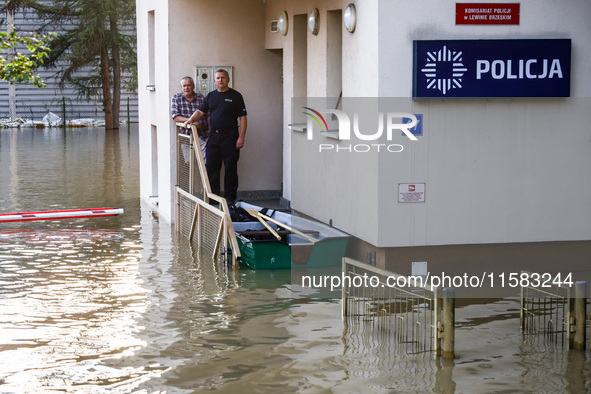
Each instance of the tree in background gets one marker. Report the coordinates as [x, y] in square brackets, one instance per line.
[18, 67]
[95, 35]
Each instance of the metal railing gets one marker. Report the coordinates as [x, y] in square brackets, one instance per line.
[554, 310]
[403, 307]
[208, 226]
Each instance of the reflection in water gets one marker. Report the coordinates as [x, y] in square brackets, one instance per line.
[372, 353]
[70, 298]
[122, 304]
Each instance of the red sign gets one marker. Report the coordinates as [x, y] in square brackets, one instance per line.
[487, 14]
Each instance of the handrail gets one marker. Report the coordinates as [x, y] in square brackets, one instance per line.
[236, 256]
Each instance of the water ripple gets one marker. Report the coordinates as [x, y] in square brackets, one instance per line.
[74, 306]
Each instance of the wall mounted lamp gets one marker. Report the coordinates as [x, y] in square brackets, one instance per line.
[313, 21]
[350, 18]
[282, 23]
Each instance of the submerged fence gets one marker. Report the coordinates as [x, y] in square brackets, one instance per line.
[62, 111]
[416, 315]
[558, 312]
[420, 318]
[207, 226]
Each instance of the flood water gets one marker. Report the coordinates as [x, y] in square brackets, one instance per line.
[125, 305]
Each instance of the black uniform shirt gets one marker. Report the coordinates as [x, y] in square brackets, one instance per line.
[224, 108]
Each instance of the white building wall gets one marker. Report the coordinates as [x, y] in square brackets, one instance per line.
[359, 79]
[156, 141]
[496, 170]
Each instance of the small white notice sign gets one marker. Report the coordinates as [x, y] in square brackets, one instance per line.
[411, 192]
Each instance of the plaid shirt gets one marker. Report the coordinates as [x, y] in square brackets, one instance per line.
[181, 106]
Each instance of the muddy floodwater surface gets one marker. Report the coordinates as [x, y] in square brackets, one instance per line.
[124, 304]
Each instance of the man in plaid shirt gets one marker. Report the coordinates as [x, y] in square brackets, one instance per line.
[182, 107]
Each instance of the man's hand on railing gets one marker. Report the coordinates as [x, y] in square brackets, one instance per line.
[187, 125]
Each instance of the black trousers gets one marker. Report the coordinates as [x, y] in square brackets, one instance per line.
[221, 148]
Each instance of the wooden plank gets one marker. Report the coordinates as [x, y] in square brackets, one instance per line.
[231, 234]
[285, 226]
[256, 214]
[218, 239]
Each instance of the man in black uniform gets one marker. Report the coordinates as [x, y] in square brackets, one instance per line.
[225, 106]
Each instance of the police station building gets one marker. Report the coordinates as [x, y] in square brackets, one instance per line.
[453, 133]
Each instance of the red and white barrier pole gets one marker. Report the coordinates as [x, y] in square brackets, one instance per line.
[63, 214]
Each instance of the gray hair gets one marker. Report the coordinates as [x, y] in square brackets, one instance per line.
[189, 78]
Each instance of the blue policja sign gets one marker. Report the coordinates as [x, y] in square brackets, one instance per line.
[492, 68]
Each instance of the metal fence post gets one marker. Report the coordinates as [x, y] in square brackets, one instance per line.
[344, 290]
[449, 303]
[580, 315]
[437, 308]
[177, 211]
[521, 308]
[64, 112]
